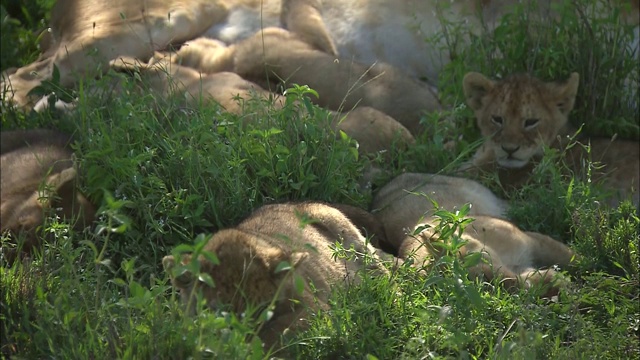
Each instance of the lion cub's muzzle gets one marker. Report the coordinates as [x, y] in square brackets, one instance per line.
[513, 156]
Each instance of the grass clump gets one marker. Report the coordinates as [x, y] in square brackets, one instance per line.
[22, 25]
[182, 170]
[165, 172]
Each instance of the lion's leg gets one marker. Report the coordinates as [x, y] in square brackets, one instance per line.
[417, 251]
[205, 55]
[493, 269]
[490, 267]
[303, 18]
[546, 278]
[547, 251]
[518, 257]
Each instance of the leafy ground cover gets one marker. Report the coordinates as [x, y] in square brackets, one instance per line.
[165, 173]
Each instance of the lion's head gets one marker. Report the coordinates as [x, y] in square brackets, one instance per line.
[243, 269]
[520, 114]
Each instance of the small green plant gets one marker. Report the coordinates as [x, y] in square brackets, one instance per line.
[164, 170]
[21, 25]
[609, 238]
[202, 170]
[52, 90]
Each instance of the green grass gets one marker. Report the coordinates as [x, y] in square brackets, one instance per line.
[164, 173]
[21, 25]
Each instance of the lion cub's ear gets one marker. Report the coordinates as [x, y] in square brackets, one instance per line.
[297, 258]
[476, 86]
[182, 280]
[564, 94]
[61, 185]
[274, 259]
[168, 263]
[128, 65]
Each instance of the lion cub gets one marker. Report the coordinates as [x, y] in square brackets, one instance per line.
[249, 254]
[508, 253]
[519, 115]
[38, 174]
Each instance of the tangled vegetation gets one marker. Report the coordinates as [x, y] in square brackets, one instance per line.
[164, 173]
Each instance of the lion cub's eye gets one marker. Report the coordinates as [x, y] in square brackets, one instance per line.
[530, 123]
[497, 120]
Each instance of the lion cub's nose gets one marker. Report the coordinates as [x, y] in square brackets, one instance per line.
[510, 149]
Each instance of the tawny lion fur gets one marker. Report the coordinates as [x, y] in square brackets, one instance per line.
[86, 35]
[302, 235]
[513, 256]
[38, 175]
[374, 131]
[520, 115]
[274, 55]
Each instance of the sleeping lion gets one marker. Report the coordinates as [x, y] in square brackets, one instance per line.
[303, 235]
[518, 259]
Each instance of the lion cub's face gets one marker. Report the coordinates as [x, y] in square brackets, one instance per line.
[245, 274]
[519, 115]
